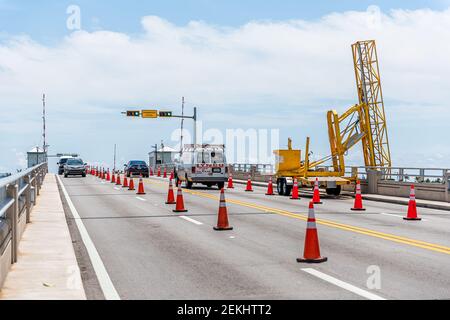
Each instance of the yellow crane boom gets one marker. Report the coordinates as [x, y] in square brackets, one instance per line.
[365, 122]
[367, 73]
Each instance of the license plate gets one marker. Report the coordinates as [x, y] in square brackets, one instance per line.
[216, 170]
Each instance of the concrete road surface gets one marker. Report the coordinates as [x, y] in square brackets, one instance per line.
[149, 252]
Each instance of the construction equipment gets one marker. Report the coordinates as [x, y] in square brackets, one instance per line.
[364, 122]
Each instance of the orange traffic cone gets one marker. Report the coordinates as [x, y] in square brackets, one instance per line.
[230, 182]
[159, 171]
[172, 175]
[249, 186]
[131, 186]
[141, 186]
[311, 252]
[125, 182]
[170, 195]
[358, 206]
[412, 206]
[118, 183]
[113, 178]
[316, 195]
[270, 188]
[151, 172]
[165, 173]
[222, 218]
[295, 191]
[108, 177]
[180, 201]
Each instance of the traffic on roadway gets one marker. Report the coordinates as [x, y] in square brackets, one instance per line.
[153, 250]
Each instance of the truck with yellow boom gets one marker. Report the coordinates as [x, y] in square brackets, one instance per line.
[364, 122]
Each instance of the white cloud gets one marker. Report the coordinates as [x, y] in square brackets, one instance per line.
[258, 67]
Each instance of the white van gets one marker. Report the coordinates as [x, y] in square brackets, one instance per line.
[204, 164]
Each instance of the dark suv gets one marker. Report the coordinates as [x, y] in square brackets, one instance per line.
[61, 163]
[136, 168]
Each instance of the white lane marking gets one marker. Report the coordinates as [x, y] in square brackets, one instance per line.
[396, 215]
[142, 199]
[232, 237]
[191, 220]
[343, 285]
[117, 188]
[109, 291]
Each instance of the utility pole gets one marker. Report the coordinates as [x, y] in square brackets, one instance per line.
[182, 125]
[115, 147]
[44, 147]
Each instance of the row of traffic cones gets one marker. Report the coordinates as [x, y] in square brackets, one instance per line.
[127, 183]
[222, 217]
[358, 205]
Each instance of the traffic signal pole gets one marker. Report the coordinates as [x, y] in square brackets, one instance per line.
[194, 117]
[163, 114]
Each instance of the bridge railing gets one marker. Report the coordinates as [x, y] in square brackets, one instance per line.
[396, 174]
[18, 195]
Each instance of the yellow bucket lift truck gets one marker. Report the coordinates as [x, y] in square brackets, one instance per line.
[365, 122]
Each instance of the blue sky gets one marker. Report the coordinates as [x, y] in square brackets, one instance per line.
[244, 64]
[43, 19]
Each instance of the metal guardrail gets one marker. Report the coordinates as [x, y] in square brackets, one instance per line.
[404, 174]
[18, 195]
[257, 168]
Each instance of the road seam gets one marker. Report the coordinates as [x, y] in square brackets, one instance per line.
[104, 280]
[342, 284]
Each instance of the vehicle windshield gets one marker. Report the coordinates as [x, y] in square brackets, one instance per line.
[64, 160]
[75, 162]
[138, 163]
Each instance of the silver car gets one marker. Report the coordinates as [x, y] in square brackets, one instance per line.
[74, 167]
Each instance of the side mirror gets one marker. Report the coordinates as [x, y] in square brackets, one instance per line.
[85, 164]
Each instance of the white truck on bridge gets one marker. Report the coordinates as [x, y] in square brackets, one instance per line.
[201, 163]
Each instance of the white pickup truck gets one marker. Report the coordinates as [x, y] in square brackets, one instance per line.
[204, 164]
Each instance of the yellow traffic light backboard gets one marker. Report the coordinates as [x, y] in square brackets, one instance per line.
[149, 113]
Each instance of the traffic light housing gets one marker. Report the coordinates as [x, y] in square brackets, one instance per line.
[133, 113]
[165, 114]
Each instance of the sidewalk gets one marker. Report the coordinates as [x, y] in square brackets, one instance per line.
[47, 267]
[380, 198]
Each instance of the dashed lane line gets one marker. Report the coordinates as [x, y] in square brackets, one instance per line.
[191, 220]
[343, 285]
[396, 215]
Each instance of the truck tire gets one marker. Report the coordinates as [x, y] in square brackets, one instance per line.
[189, 184]
[283, 188]
[281, 184]
[221, 185]
[334, 191]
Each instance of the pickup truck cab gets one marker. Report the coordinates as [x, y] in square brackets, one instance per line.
[202, 164]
